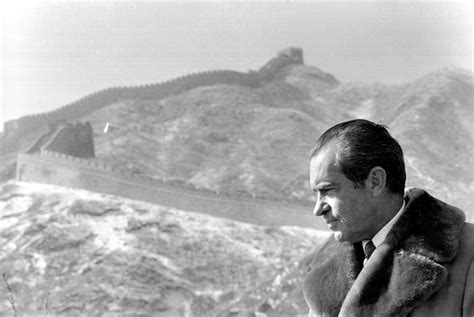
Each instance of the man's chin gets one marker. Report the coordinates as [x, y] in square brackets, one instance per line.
[339, 236]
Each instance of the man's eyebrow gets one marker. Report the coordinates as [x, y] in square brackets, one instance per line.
[325, 185]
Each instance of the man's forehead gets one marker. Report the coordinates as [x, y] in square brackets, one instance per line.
[323, 165]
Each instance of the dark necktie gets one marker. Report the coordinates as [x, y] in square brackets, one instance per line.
[368, 249]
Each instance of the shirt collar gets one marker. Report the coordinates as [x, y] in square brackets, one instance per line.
[382, 234]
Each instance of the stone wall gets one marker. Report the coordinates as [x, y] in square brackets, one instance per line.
[294, 53]
[178, 85]
[284, 58]
[108, 96]
[95, 175]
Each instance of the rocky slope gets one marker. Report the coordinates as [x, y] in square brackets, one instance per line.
[73, 252]
[256, 140]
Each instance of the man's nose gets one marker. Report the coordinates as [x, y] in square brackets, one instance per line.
[320, 207]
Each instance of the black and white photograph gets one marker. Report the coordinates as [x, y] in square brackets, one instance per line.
[236, 158]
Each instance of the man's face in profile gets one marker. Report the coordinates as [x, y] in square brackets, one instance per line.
[344, 205]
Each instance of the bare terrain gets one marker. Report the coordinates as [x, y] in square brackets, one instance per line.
[74, 252]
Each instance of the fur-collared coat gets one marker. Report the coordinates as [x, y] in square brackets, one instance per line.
[423, 268]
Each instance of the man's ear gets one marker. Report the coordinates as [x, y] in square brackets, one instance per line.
[376, 181]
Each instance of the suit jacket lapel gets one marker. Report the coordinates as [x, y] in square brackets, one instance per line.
[393, 284]
[333, 272]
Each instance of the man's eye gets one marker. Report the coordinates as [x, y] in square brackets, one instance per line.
[325, 190]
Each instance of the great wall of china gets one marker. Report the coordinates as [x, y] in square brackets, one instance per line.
[94, 175]
[40, 161]
[108, 96]
[103, 98]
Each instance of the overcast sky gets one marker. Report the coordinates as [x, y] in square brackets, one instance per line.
[54, 53]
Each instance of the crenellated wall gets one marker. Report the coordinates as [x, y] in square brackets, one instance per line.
[74, 161]
[108, 96]
[178, 85]
[284, 58]
[95, 175]
[294, 53]
[55, 158]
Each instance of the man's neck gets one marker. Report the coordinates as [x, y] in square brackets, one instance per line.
[388, 210]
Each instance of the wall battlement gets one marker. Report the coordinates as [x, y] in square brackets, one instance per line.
[102, 98]
[52, 157]
[105, 97]
[94, 164]
[117, 171]
[95, 175]
[289, 56]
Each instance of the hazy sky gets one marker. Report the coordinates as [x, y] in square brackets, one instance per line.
[56, 52]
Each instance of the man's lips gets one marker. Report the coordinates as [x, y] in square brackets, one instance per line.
[331, 223]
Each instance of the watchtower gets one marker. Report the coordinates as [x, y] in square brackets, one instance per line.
[293, 53]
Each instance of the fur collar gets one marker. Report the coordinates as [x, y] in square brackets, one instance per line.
[403, 271]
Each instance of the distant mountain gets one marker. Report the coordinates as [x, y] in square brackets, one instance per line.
[75, 253]
[256, 140]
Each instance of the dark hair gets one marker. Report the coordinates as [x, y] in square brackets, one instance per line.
[362, 145]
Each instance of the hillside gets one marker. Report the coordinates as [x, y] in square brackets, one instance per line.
[256, 141]
[74, 252]
[250, 134]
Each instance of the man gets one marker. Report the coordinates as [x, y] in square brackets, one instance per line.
[393, 252]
